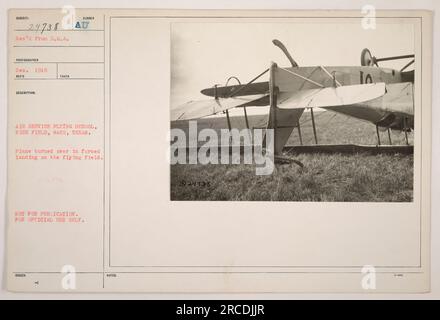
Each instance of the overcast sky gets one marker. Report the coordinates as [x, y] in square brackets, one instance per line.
[204, 54]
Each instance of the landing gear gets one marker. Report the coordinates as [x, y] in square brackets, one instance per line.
[244, 108]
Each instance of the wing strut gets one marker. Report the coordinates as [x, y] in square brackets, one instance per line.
[405, 129]
[244, 108]
[227, 111]
[407, 65]
[314, 126]
[377, 133]
[389, 136]
[229, 120]
[273, 102]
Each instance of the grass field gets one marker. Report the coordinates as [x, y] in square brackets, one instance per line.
[324, 177]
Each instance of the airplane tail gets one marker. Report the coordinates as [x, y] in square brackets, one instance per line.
[282, 121]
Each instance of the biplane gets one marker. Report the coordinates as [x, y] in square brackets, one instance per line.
[382, 96]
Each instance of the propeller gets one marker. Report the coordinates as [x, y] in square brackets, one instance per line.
[283, 48]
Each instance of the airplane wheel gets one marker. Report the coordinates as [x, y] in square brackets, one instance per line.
[366, 58]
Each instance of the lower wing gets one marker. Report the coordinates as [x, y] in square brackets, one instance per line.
[203, 108]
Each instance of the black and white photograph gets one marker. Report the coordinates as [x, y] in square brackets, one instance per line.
[298, 110]
[221, 152]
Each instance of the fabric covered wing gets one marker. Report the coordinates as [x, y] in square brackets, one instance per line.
[241, 89]
[203, 108]
[331, 96]
[290, 105]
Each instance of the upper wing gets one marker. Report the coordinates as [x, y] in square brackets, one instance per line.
[331, 96]
[203, 108]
